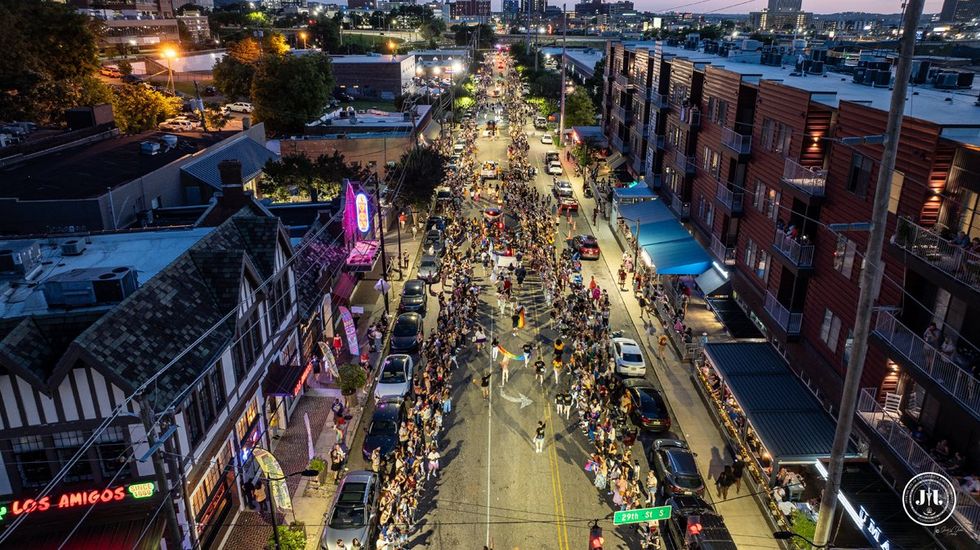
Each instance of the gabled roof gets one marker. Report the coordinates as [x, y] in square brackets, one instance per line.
[182, 303]
[252, 154]
[33, 344]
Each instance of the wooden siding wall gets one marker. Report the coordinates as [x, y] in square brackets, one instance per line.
[84, 395]
[723, 85]
[682, 73]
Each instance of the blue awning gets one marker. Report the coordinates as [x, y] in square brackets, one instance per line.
[660, 232]
[789, 420]
[680, 257]
[638, 192]
[645, 212]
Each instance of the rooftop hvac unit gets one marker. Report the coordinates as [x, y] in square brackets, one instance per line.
[73, 247]
[113, 286]
[870, 77]
[946, 81]
[859, 73]
[964, 80]
[816, 67]
[920, 71]
[818, 54]
[87, 287]
[20, 260]
[883, 79]
[169, 140]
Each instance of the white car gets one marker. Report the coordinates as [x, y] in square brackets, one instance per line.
[395, 377]
[554, 168]
[489, 171]
[239, 107]
[177, 125]
[628, 357]
[459, 148]
[547, 139]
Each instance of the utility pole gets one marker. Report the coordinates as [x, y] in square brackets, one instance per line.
[564, 38]
[200, 107]
[870, 275]
[527, 43]
[146, 416]
[381, 239]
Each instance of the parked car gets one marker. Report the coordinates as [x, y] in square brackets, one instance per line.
[382, 432]
[444, 194]
[177, 125]
[434, 242]
[675, 468]
[586, 245]
[694, 525]
[239, 107]
[547, 139]
[407, 333]
[353, 510]
[551, 156]
[413, 297]
[131, 79]
[436, 222]
[562, 188]
[209, 91]
[111, 72]
[628, 356]
[648, 410]
[429, 267]
[395, 378]
[540, 123]
[554, 168]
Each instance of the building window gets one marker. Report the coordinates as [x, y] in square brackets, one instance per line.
[771, 207]
[860, 174]
[830, 330]
[844, 256]
[717, 110]
[895, 194]
[66, 444]
[701, 206]
[711, 162]
[749, 252]
[709, 217]
[192, 418]
[762, 265]
[111, 448]
[32, 461]
[776, 136]
[848, 346]
[217, 383]
[759, 196]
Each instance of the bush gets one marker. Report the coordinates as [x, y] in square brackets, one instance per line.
[320, 465]
[291, 537]
[352, 378]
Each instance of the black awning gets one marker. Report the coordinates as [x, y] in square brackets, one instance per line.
[734, 318]
[286, 381]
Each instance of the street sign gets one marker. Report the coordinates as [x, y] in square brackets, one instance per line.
[641, 515]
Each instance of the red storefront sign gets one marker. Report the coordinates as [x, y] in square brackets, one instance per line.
[75, 499]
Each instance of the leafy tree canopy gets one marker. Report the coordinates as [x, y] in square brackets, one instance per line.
[246, 50]
[288, 92]
[233, 78]
[325, 32]
[138, 108]
[423, 170]
[579, 110]
[317, 179]
[275, 44]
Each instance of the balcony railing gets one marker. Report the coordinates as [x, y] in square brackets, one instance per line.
[941, 368]
[681, 208]
[732, 200]
[620, 145]
[801, 254]
[724, 253]
[690, 116]
[660, 142]
[811, 181]
[684, 163]
[740, 143]
[623, 113]
[622, 80]
[936, 251]
[900, 441]
[788, 320]
[658, 100]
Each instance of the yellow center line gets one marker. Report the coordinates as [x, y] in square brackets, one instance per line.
[559, 496]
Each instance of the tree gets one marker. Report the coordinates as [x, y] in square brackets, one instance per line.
[49, 61]
[138, 108]
[247, 50]
[423, 169]
[378, 19]
[288, 92]
[318, 179]
[291, 537]
[352, 378]
[275, 44]
[546, 84]
[579, 110]
[216, 119]
[594, 84]
[464, 35]
[233, 78]
[125, 67]
[325, 32]
[432, 28]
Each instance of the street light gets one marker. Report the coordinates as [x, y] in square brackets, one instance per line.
[786, 535]
[272, 500]
[302, 36]
[170, 53]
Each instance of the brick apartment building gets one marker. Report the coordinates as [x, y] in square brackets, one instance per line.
[744, 151]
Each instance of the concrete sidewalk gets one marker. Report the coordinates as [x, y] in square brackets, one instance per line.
[743, 516]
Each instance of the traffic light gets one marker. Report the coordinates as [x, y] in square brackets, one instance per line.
[595, 537]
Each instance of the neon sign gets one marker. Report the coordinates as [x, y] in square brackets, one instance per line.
[77, 498]
[363, 216]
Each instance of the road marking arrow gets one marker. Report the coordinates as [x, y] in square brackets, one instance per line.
[521, 398]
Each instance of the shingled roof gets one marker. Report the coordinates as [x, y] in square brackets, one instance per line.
[173, 309]
[33, 345]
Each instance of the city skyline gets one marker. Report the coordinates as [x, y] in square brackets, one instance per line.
[735, 7]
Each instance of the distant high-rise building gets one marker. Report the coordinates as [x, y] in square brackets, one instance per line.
[512, 6]
[955, 11]
[785, 5]
[589, 8]
[537, 6]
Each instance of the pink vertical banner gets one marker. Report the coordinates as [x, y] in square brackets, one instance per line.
[309, 435]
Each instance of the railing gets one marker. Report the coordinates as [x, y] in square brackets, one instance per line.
[740, 143]
[690, 117]
[723, 252]
[900, 441]
[798, 253]
[733, 200]
[942, 369]
[620, 145]
[658, 100]
[811, 181]
[684, 163]
[622, 80]
[938, 252]
[660, 142]
[790, 321]
[682, 209]
[623, 113]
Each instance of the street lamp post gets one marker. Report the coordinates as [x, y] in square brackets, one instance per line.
[272, 501]
[302, 36]
[170, 54]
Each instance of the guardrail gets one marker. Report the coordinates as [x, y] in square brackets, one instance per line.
[788, 320]
[938, 252]
[721, 251]
[800, 254]
[811, 181]
[733, 200]
[740, 143]
[684, 163]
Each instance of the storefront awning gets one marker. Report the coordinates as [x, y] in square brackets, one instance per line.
[680, 257]
[363, 255]
[660, 232]
[286, 380]
[645, 212]
[641, 191]
[615, 160]
[713, 282]
[788, 419]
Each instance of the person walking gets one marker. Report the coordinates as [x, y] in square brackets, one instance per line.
[485, 384]
[724, 482]
[494, 349]
[559, 403]
[738, 469]
[248, 489]
[433, 458]
[662, 344]
[556, 365]
[642, 300]
[539, 437]
[260, 495]
[376, 460]
[539, 371]
[504, 372]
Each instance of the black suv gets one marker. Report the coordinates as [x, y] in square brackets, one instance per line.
[694, 525]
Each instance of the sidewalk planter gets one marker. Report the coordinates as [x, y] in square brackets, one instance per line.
[321, 466]
[352, 378]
